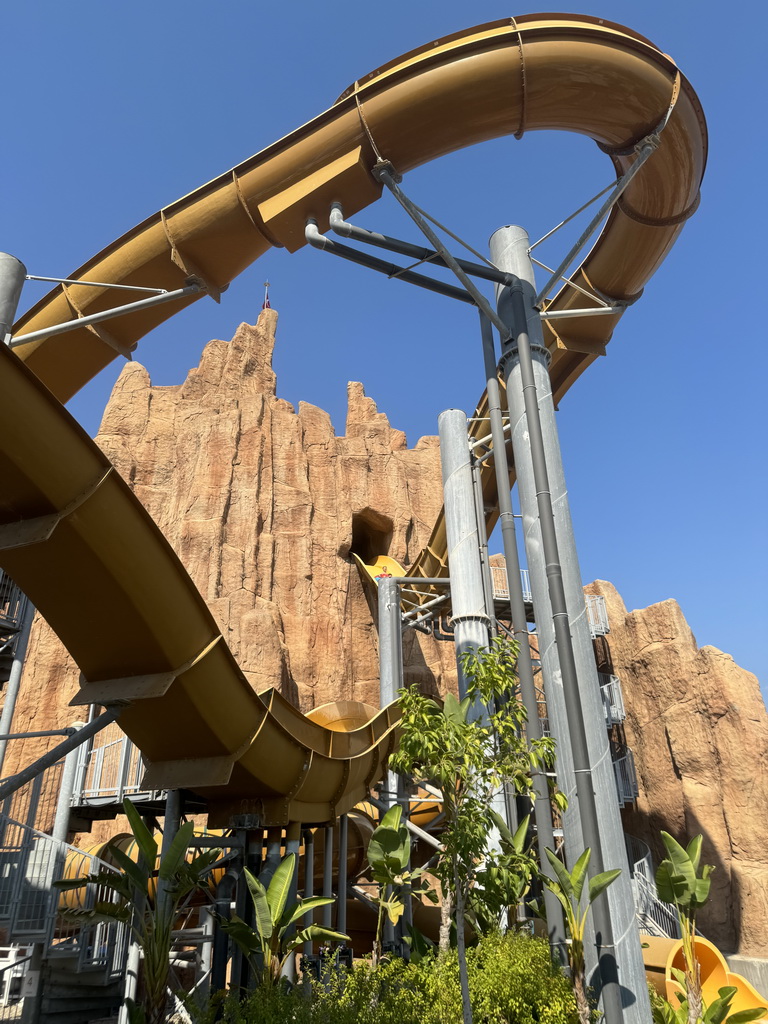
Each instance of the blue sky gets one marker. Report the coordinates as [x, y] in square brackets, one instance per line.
[114, 110]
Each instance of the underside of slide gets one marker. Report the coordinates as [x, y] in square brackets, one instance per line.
[76, 540]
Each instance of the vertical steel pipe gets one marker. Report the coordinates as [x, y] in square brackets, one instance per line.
[541, 805]
[328, 876]
[470, 616]
[309, 882]
[562, 620]
[390, 663]
[66, 788]
[341, 889]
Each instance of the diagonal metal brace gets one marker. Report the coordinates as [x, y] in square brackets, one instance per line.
[383, 172]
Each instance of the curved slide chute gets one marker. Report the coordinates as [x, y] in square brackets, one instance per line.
[662, 956]
[73, 535]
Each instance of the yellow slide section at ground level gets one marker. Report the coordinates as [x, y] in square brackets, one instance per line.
[74, 537]
[661, 956]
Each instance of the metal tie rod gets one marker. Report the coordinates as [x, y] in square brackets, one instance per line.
[644, 149]
[194, 288]
[392, 270]
[383, 172]
[416, 252]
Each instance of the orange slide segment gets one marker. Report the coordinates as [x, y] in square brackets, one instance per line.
[661, 956]
[75, 538]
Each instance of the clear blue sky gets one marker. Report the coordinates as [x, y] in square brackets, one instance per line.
[113, 110]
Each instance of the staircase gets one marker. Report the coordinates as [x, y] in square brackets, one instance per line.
[80, 968]
[654, 916]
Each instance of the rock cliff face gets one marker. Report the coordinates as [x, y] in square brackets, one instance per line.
[264, 505]
[698, 728]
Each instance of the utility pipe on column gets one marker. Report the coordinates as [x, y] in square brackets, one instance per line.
[469, 614]
[542, 806]
[66, 788]
[537, 455]
[390, 664]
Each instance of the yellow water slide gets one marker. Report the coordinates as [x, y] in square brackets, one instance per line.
[77, 541]
[662, 956]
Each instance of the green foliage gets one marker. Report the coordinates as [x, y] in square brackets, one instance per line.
[678, 881]
[274, 939]
[152, 924]
[470, 757]
[511, 979]
[568, 887]
[677, 878]
[504, 881]
[388, 853]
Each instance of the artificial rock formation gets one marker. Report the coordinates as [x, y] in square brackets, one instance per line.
[698, 728]
[264, 504]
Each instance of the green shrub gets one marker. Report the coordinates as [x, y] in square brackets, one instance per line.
[511, 981]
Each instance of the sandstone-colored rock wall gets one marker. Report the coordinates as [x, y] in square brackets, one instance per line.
[260, 503]
[698, 728]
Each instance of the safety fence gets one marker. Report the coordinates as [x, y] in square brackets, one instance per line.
[33, 911]
[613, 699]
[109, 768]
[626, 778]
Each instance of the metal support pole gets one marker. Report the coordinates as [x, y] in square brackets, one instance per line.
[12, 276]
[390, 662]
[208, 925]
[292, 846]
[328, 875]
[341, 892]
[482, 533]
[309, 883]
[171, 825]
[541, 807]
[132, 967]
[470, 615]
[54, 755]
[17, 667]
[556, 583]
[66, 788]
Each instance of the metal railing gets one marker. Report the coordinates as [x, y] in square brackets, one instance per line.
[110, 771]
[34, 804]
[597, 615]
[613, 699]
[13, 604]
[654, 916]
[626, 778]
[500, 588]
[31, 910]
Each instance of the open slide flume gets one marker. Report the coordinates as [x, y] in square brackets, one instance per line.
[78, 542]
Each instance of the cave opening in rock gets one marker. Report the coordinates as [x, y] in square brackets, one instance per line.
[371, 535]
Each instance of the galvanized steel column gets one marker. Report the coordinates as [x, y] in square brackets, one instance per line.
[576, 710]
[13, 273]
[542, 808]
[469, 613]
[390, 663]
